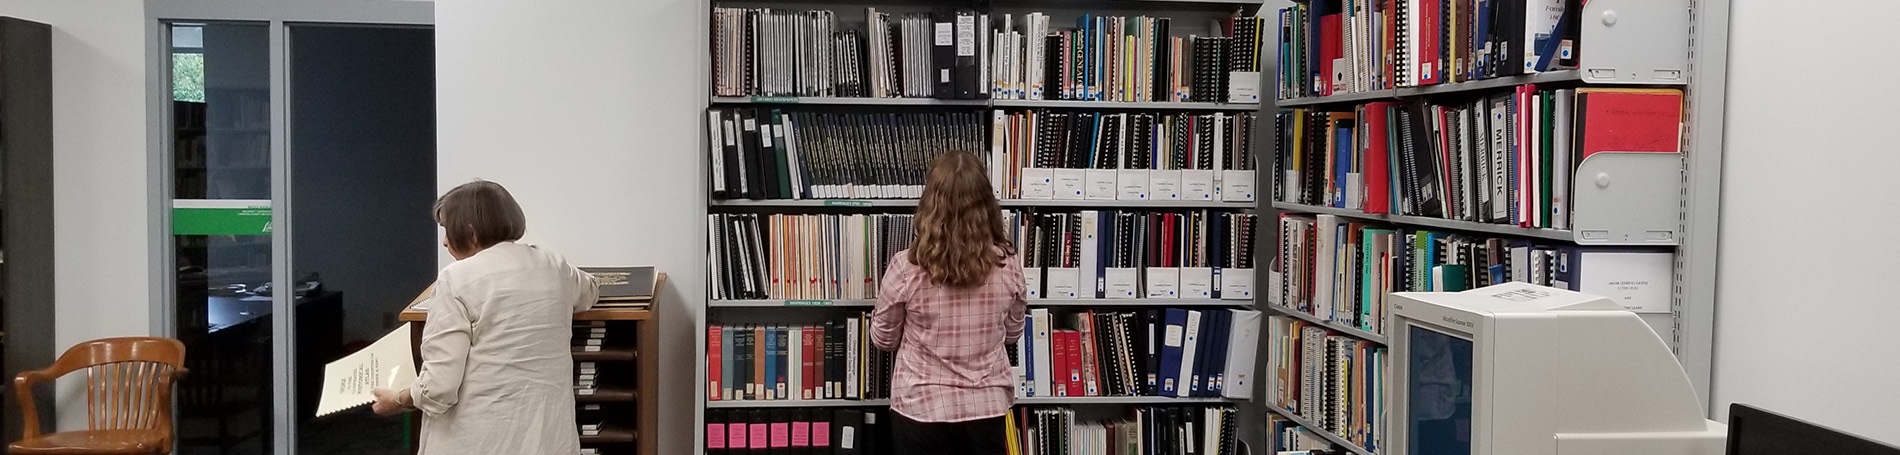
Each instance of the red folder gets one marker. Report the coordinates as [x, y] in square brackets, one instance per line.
[1629, 120]
[1378, 178]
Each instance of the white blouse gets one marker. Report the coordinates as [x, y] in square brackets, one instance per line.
[497, 373]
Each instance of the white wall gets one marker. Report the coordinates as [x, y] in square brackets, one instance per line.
[1806, 304]
[101, 252]
[591, 119]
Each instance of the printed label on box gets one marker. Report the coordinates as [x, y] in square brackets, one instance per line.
[1197, 185]
[1237, 284]
[1102, 185]
[1164, 185]
[1237, 186]
[1064, 283]
[1197, 282]
[1038, 183]
[1071, 184]
[1164, 283]
[1123, 283]
[1134, 184]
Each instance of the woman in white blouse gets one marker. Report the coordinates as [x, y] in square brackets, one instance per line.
[497, 374]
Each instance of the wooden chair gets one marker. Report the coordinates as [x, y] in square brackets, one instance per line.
[128, 398]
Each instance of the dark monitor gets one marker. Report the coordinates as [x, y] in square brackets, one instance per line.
[1754, 431]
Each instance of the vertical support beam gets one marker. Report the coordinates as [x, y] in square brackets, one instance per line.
[1696, 258]
[283, 297]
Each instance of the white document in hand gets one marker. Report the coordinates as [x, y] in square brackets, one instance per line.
[388, 364]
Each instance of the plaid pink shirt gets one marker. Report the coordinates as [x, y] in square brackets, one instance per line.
[951, 362]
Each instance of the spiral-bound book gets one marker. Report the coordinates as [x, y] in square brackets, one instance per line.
[389, 363]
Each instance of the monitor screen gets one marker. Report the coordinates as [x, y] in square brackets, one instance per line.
[1753, 431]
[1439, 386]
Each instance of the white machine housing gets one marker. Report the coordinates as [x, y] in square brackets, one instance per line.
[1556, 372]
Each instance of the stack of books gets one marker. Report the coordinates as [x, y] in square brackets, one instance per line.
[1332, 380]
[593, 418]
[834, 360]
[1149, 430]
[625, 287]
[1162, 352]
[590, 336]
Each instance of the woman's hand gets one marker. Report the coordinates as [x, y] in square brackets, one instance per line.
[387, 403]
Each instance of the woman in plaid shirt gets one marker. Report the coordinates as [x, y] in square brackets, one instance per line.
[948, 306]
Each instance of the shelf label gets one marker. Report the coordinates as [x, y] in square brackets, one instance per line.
[847, 203]
[221, 217]
[775, 99]
[807, 303]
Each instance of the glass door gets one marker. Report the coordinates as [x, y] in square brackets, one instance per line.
[221, 133]
[362, 148]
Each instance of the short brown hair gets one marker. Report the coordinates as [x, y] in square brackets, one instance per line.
[478, 215]
[960, 236]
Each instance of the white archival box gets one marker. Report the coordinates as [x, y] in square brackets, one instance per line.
[1554, 372]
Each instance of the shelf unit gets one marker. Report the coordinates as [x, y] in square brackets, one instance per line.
[26, 229]
[1677, 46]
[1457, 225]
[1354, 332]
[1188, 14]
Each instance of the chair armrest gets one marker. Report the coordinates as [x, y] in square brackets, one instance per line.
[23, 388]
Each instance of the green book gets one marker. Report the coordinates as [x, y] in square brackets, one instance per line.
[781, 156]
[1546, 154]
[1450, 278]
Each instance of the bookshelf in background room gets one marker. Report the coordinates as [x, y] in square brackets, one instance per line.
[616, 361]
[1446, 145]
[1122, 145]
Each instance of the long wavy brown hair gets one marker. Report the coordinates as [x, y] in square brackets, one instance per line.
[960, 236]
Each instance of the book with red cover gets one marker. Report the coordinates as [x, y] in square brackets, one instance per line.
[1090, 382]
[1378, 181]
[808, 359]
[1073, 345]
[1431, 56]
[1628, 120]
[1329, 49]
[713, 363]
[1059, 361]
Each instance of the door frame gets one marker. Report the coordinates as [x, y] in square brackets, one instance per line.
[280, 15]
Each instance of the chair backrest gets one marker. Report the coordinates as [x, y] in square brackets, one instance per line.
[128, 380]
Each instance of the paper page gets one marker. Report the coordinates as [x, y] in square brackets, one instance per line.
[421, 303]
[387, 364]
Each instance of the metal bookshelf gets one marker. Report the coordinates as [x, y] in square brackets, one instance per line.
[1677, 44]
[1456, 225]
[1317, 429]
[1190, 17]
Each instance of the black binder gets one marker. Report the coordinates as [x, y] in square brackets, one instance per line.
[943, 52]
[966, 77]
[847, 432]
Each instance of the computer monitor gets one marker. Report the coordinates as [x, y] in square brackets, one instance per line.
[1755, 431]
[1521, 369]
